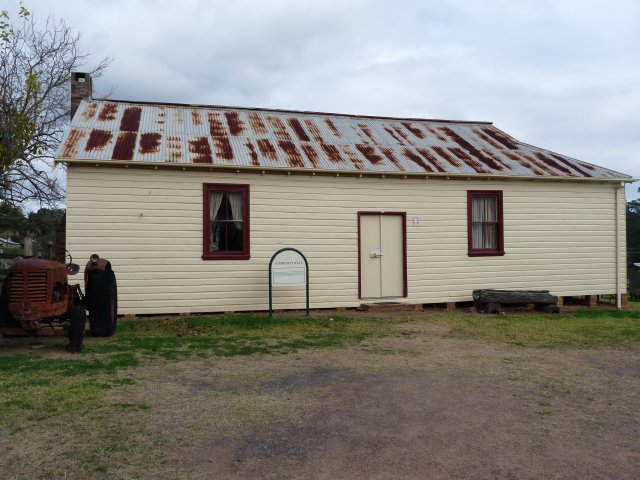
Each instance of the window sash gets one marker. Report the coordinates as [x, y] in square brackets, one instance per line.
[226, 227]
[485, 222]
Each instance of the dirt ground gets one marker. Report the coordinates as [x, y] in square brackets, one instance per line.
[415, 405]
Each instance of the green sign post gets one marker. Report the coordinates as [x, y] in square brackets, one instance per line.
[288, 267]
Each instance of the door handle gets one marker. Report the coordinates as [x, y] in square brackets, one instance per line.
[375, 255]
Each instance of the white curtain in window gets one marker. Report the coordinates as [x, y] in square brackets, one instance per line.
[476, 235]
[214, 208]
[216, 201]
[490, 236]
[235, 200]
[484, 232]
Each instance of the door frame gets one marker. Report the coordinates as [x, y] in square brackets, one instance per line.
[404, 250]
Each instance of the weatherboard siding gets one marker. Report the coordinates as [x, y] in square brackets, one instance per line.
[559, 236]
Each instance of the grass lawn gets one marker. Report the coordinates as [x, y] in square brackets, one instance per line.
[71, 397]
[37, 384]
[584, 328]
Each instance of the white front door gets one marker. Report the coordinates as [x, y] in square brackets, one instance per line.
[382, 259]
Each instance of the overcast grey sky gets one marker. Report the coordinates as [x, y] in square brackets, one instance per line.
[563, 75]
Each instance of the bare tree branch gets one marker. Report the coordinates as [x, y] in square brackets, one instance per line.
[35, 68]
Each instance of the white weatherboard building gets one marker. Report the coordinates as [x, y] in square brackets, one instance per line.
[189, 203]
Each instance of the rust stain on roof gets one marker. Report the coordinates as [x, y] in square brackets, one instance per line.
[293, 156]
[535, 162]
[257, 125]
[553, 164]
[416, 131]
[353, 157]
[495, 158]
[195, 117]
[473, 151]
[125, 146]
[574, 165]
[404, 136]
[417, 160]
[98, 140]
[523, 163]
[369, 153]
[200, 147]
[279, 128]
[297, 127]
[462, 155]
[90, 111]
[332, 152]
[393, 135]
[255, 161]
[310, 153]
[437, 134]
[387, 152]
[131, 119]
[332, 127]
[313, 128]
[71, 145]
[216, 128]
[267, 149]
[367, 132]
[445, 155]
[429, 157]
[236, 125]
[108, 112]
[174, 144]
[500, 138]
[149, 143]
[223, 148]
[487, 139]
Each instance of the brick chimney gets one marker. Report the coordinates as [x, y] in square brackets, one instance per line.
[80, 88]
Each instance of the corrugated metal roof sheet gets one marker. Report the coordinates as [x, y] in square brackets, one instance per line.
[229, 136]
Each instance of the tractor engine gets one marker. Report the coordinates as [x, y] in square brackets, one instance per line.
[37, 291]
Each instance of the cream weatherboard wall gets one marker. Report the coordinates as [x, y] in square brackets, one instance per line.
[559, 236]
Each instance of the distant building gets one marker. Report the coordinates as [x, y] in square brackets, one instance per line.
[8, 243]
[190, 202]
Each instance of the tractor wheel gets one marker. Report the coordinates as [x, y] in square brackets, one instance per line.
[102, 300]
[77, 323]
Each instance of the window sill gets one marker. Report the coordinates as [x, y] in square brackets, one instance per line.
[488, 253]
[226, 256]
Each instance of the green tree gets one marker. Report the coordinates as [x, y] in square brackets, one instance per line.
[13, 223]
[43, 223]
[35, 67]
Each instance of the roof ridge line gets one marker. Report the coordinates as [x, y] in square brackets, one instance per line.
[284, 110]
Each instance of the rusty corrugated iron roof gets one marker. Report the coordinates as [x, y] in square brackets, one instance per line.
[259, 138]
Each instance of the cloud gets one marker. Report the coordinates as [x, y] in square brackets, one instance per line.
[560, 75]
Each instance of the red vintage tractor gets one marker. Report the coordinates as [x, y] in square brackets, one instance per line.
[38, 299]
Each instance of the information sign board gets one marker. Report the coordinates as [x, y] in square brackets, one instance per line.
[288, 267]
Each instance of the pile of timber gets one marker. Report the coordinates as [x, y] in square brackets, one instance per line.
[490, 301]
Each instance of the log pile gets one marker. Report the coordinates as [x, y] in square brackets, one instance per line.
[490, 301]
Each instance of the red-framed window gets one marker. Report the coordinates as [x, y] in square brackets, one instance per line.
[225, 222]
[485, 222]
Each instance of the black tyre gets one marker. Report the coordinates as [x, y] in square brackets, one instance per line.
[77, 325]
[102, 301]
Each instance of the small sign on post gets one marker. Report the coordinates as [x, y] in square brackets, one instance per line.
[288, 267]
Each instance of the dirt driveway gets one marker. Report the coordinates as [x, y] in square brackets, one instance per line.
[414, 405]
